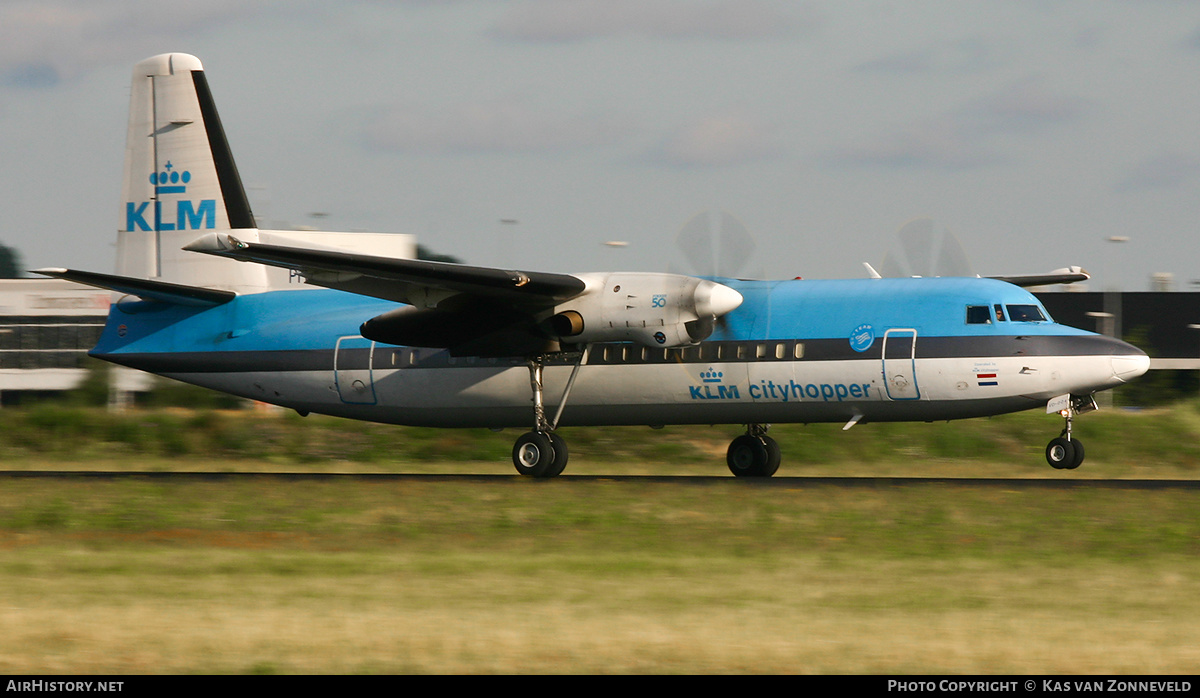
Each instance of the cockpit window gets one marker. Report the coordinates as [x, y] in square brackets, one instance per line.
[1025, 313]
[978, 315]
[999, 312]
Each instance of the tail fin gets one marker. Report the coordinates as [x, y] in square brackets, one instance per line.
[180, 180]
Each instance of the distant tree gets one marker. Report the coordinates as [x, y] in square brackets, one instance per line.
[10, 263]
[1156, 387]
[93, 391]
[427, 254]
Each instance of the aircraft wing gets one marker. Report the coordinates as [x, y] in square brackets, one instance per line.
[415, 282]
[1067, 275]
[144, 288]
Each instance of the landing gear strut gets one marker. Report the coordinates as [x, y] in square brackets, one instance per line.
[542, 453]
[1066, 452]
[754, 454]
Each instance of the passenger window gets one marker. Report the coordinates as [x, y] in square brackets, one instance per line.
[999, 313]
[978, 315]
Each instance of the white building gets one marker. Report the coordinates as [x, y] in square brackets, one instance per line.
[47, 327]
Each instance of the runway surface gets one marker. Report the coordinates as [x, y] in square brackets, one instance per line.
[683, 480]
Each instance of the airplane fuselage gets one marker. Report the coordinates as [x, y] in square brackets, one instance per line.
[376, 335]
[795, 351]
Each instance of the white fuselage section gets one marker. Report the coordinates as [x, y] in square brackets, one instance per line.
[399, 386]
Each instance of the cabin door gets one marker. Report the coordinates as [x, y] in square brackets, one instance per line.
[352, 358]
[900, 364]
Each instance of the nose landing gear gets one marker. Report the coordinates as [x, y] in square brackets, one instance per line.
[1065, 452]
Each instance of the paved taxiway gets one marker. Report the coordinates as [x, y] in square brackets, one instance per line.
[683, 480]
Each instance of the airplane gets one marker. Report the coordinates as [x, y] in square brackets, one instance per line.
[343, 324]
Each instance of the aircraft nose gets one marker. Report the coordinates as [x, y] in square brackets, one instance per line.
[1129, 366]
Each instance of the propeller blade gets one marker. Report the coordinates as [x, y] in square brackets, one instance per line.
[715, 243]
[924, 250]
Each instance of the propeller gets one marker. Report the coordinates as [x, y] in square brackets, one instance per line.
[715, 243]
[925, 249]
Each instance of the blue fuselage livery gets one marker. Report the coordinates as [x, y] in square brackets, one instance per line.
[791, 353]
[349, 324]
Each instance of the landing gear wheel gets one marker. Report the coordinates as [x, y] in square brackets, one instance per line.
[753, 456]
[533, 454]
[1060, 454]
[1078, 459]
[1066, 453]
[745, 455]
[774, 456]
[560, 455]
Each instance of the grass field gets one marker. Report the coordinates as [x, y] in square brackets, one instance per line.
[271, 575]
[1161, 443]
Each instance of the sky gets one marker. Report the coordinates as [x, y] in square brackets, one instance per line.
[527, 134]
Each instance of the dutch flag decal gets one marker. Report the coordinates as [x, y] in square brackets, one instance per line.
[987, 379]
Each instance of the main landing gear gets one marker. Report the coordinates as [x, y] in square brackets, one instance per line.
[754, 454]
[1066, 452]
[541, 453]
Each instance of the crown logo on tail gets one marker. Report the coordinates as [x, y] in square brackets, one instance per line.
[170, 182]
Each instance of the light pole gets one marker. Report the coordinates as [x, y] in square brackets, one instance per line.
[1104, 322]
[1193, 326]
[1112, 299]
[616, 245]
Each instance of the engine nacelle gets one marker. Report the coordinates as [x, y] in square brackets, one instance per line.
[655, 310]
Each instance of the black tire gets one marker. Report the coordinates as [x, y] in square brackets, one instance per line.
[533, 454]
[1060, 453]
[560, 455]
[747, 456]
[774, 456]
[1077, 460]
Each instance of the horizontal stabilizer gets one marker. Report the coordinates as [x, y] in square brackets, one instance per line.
[146, 289]
[1066, 275]
[416, 282]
